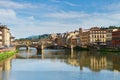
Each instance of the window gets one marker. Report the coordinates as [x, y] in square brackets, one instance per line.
[0, 32]
[0, 37]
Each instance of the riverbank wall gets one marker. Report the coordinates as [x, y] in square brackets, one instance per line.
[96, 49]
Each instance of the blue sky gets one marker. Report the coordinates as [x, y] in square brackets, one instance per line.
[33, 17]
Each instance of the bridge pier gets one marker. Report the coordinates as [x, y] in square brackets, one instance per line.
[27, 48]
[40, 49]
[71, 47]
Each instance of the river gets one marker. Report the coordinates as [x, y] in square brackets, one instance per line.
[61, 65]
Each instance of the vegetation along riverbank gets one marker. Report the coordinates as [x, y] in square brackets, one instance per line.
[5, 55]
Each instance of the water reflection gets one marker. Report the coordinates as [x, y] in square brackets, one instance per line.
[94, 61]
[98, 62]
[116, 62]
[77, 65]
[5, 67]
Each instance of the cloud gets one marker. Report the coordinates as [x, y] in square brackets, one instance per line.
[19, 6]
[66, 3]
[101, 19]
[58, 22]
[66, 15]
[31, 18]
[55, 1]
[53, 21]
[82, 16]
[7, 13]
[7, 16]
[71, 4]
[55, 26]
[16, 5]
[113, 7]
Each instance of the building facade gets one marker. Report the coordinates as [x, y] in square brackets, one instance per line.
[72, 38]
[4, 36]
[116, 38]
[98, 36]
[109, 38]
[95, 36]
[84, 37]
[12, 41]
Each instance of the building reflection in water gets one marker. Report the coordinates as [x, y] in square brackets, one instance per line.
[98, 62]
[85, 59]
[5, 67]
[116, 62]
[95, 61]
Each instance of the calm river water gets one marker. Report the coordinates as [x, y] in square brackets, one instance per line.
[61, 65]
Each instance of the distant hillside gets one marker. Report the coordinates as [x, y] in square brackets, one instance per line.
[36, 37]
[111, 27]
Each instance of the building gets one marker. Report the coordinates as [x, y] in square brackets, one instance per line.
[72, 38]
[116, 38]
[84, 37]
[98, 36]
[4, 36]
[12, 41]
[109, 38]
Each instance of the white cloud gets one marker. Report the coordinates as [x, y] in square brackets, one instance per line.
[62, 22]
[24, 27]
[113, 7]
[11, 4]
[31, 18]
[56, 1]
[53, 22]
[8, 13]
[71, 4]
[7, 16]
[81, 19]
[66, 15]
[66, 3]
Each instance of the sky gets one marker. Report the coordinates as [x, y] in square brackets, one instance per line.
[34, 17]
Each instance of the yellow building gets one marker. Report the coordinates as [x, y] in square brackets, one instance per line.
[4, 36]
[94, 36]
[98, 35]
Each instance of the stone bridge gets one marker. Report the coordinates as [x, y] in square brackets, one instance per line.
[39, 45]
